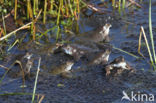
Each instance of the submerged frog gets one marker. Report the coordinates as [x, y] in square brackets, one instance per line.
[29, 62]
[22, 65]
[100, 58]
[77, 51]
[100, 36]
[50, 48]
[117, 66]
[64, 68]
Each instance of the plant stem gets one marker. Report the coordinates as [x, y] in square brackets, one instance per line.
[113, 3]
[150, 30]
[15, 10]
[45, 11]
[123, 4]
[119, 6]
[147, 45]
[34, 90]
[4, 24]
[34, 8]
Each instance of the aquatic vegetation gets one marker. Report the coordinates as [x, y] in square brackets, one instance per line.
[152, 54]
[122, 4]
[35, 85]
[63, 9]
[151, 34]
[64, 12]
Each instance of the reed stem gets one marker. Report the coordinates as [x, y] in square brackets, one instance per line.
[34, 7]
[147, 45]
[45, 11]
[150, 30]
[119, 6]
[123, 4]
[4, 27]
[27, 9]
[15, 16]
[70, 6]
[52, 3]
[35, 85]
[113, 3]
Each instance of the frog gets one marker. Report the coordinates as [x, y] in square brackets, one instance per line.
[64, 69]
[77, 51]
[101, 57]
[117, 66]
[22, 65]
[102, 35]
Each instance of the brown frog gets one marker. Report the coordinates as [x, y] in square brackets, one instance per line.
[100, 58]
[117, 66]
[63, 69]
[22, 65]
[99, 36]
[51, 49]
[77, 51]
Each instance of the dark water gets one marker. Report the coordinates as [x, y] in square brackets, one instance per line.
[90, 84]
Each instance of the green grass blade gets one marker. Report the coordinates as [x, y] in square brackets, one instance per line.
[123, 4]
[34, 7]
[3, 76]
[34, 90]
[126, 52]
[4, 24]
[45, 11]
[10, 47]
[12, 94]
[147, 45]
[150, 30]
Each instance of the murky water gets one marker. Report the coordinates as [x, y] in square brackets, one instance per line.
[89, 83]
